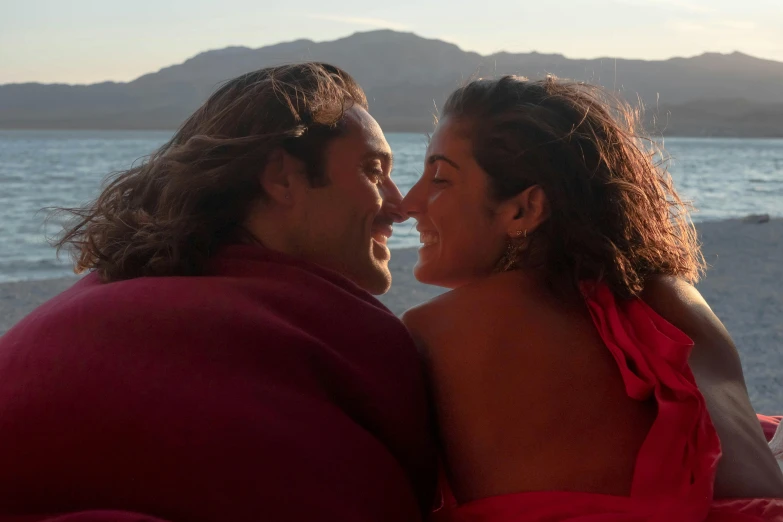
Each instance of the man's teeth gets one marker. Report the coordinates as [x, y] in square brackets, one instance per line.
[428, 238]
[380, 237]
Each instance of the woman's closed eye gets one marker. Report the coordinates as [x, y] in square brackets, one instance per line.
[439, 179]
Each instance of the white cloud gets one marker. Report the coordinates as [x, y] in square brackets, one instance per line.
[678, 5]
[354, 20]
[685, 26]
[717, 26]
[741, 25]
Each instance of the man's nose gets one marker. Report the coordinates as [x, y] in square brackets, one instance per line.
[392, 202]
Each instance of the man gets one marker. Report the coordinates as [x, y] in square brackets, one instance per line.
[224, 359]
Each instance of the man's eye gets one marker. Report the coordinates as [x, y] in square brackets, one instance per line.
[376, 175]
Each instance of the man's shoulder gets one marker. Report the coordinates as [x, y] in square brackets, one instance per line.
[204, 311]
[277, 271]
[91, 298]
[277, 288]
[105, 325]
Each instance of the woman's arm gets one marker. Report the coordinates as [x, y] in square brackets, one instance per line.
[747, 468]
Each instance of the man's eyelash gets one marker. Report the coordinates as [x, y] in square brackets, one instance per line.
[376, 175]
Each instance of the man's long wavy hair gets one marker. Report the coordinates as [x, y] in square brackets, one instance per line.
[615, 215]
[167, 216]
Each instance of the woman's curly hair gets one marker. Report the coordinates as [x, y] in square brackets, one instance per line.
[615, 215]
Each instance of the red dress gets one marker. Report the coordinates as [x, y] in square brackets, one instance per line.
[676, 465]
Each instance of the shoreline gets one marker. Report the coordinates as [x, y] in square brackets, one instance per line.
[743, 285]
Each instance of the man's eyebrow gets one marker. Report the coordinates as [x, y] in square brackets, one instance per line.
[382, 155]
[440, 157]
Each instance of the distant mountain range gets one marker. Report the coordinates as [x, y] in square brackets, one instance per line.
[406, 77]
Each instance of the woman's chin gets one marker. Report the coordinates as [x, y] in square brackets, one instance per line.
[420, 272]
[427, 272]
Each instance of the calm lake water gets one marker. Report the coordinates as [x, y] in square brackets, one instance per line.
[725, 178]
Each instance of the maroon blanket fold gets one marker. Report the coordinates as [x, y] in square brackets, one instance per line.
[269, 389]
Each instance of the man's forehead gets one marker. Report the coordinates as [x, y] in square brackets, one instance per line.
[364, 128]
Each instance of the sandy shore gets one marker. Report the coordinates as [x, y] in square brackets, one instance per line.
[744, 286]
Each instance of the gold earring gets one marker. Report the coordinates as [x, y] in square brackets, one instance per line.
[511, 257]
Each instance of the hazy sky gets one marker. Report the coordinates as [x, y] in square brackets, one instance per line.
[85, 41]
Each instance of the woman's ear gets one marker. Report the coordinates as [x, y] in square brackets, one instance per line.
[527, 211]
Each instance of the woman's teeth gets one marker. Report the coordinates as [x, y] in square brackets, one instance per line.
[428, 238]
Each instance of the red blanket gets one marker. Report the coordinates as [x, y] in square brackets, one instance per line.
[270, 389]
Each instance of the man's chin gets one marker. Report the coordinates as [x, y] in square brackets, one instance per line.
[381, 285]
[378, 280]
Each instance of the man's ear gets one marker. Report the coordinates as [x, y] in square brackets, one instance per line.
[280, 176]
[526, 211]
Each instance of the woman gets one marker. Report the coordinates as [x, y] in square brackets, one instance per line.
[560, 392]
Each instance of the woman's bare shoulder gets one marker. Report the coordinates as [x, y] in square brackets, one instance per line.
[682, 304]
[747, 468]
[468, 307]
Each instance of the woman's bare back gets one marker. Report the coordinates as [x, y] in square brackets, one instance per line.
[522, 382]
[530, 399]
